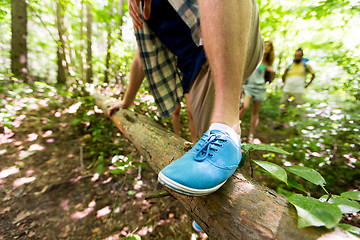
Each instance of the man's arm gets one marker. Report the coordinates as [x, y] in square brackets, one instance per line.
[136, 77]
[312, 78]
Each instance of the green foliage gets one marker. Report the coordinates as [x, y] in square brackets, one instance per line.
[132, 237]
[307, 173]
[344, 204]
[313, 212]
[326, 211]
[264, 147]
[97, 131]
[275, 170]
[354, 230]
[352, 195]
[121, 163]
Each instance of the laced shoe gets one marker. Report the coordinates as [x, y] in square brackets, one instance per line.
[205, 168]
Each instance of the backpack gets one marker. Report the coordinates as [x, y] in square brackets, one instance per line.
[304, 61]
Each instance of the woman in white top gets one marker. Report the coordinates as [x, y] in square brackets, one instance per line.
[255, 89]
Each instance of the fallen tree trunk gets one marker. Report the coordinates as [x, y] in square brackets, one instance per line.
[241, 209]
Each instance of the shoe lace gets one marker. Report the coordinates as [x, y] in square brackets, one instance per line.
[212, 143]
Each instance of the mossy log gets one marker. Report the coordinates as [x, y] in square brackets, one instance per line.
[241, 209]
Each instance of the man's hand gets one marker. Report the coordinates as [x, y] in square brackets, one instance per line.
[115, 107]
[135, 14]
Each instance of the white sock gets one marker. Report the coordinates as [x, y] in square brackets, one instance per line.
[228, 130]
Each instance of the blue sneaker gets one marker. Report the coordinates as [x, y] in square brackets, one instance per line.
[205, 168]
[196, 227]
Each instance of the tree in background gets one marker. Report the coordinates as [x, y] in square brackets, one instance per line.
[62, 72]
[109, 40]
[89, 72]
[19, 56]
[82, 42]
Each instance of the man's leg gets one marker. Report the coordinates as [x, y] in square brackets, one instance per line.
[298, 99]
[225, 27]
[176, 119]
[216, 156]
[191, 120]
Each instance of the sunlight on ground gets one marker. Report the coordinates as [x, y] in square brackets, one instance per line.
[31, 137]
[21, 181]
[9, 171]
[95, 177]
[6, 136]
[48, 133]
[82, 214]
[36, 147]
[102, 212]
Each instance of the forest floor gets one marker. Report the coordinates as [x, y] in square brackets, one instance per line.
[47, 192]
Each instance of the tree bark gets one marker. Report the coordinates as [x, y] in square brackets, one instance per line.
[62, 71]
[19, 58]
[241, 209]
[82, 42]
[89, 72]
[109, 42]
[121, 13]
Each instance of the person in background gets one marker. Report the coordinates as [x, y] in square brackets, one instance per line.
[254, 87]
[294, 80]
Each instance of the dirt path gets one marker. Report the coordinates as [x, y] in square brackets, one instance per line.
[46, 194]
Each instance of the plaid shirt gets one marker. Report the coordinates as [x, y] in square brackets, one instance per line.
[160, 64]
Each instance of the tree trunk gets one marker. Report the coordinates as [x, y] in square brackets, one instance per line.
[89, 73]
[121, 13]
[241, 209]
[82, 43]
[62, 71]
[19, 58]
[109, 42]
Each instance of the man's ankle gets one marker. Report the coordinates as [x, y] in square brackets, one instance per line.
[227, 129]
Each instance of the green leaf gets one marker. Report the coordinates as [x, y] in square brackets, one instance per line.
[246, 146]
[137, 164]
[345, 205]
[243, 158]
[131, 192]
[76, 121]
[99, 168]
[307, 173]
[352, 195]
[273, 169]
[350, 228]
[117, 171]
[132, 237]
[313, 212]
[129, 158]
[120, 164]
[264, 147]
[292, 183]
